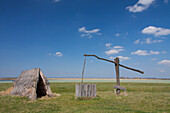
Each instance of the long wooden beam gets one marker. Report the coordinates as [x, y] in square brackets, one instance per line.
[115, 63]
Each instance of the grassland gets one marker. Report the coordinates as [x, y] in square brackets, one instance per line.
[142, 98]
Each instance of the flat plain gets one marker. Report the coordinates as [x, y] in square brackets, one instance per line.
[142, 98]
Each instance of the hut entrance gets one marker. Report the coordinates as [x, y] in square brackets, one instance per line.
[40, 88]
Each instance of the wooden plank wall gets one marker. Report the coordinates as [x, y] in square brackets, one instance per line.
[85, 90]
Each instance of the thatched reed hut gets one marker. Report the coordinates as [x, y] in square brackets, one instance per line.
[31, 84]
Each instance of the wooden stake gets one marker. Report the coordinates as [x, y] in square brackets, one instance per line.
[83, 69]
[117, 74]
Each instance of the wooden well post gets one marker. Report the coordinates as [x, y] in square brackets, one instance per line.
[117, 74]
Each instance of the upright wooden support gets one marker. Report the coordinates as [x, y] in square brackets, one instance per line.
[117, 74]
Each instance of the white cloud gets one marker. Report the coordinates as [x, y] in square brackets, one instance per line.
[122, 35]
[83, 29]
[147, 41]
[56, 0]
[154, 52]
[99, 33]
[150, 41]
[83, 35]
[140, 52]
[112, 58]
[153, 59]
[136, 41]
[162, 70]
[114, 50]
[164, 52]
[89, 33]
[114, 47]
[166, 1]
[122, 58]
[144, 52]
[49, 54]
[58, 54]
[108, 44]
[91, 61]
[157, 31]
[156, 41]
[140, 6]
[117, 47]
[167, 62]
[117, 34]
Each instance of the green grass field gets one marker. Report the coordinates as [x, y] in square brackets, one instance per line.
[142, 98]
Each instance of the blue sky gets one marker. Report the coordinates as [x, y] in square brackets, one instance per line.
[55, 34]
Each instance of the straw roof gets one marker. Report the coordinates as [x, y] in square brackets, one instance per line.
[31, 84]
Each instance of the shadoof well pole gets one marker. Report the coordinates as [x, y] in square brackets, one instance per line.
[116, 62]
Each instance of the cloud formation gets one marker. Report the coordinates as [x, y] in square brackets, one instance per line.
[147, 41]
[59, 54]
[144, 52]
[156, 31]
[56, 0]
[162, 70]
[117, 34]
[49, 54]
[163, 52]
[166, 1]
[137, 41]
[164, 62]
[122, 58]
[108, 44]
[88, 33]
[153, 59]
[150, 41]
[118, 47]
[114, 50]
[140, 6]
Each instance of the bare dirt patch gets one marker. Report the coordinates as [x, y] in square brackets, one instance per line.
[47, 97]
[6, 92]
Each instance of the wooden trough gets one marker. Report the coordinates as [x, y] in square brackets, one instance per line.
[85, 90]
